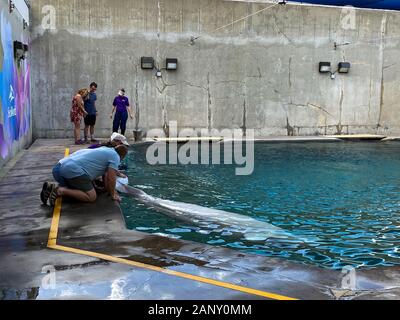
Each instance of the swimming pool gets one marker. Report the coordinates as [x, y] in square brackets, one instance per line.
[339, 201]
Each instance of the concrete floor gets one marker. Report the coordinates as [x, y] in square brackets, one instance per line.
[99, 227]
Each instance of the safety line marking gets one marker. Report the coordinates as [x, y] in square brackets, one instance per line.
[52, 244]
[56, 216]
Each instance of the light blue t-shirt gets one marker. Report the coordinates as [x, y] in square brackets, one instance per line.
[93, 163]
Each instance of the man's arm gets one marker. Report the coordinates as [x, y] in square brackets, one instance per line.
[130, 112]
[113, 110]
[82, 105]
[111, 182]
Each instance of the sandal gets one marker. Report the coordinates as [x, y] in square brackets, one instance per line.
[46, 191]
[53, 197]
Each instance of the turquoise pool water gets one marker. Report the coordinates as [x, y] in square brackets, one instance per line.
[344, 197]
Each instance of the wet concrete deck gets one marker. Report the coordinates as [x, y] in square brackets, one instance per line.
[99, 227]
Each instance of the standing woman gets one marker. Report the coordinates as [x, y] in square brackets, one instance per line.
[122, 108]
[78, 113]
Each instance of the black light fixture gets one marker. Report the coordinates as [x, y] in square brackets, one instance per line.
[324, 67]
[344, 67]
[147, 63]
[172, 64]
[19, 50]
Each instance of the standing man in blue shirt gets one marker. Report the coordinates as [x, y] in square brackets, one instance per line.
[122, 108]
[90, 108]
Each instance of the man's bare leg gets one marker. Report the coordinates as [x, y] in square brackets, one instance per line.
[92, 137]
[90, 196]
[86, 133]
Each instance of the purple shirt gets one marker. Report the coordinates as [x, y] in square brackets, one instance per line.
[121, 103]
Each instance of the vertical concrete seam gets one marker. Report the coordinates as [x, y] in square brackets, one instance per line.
[382, 58]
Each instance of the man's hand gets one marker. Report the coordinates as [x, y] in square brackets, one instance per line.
[121, 175]
[116, 198]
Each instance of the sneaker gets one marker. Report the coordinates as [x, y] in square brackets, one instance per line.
[46, 191]
[53, 197]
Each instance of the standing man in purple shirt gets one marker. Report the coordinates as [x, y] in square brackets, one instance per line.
[122, 110]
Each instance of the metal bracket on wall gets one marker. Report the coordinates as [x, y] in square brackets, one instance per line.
[12, 6]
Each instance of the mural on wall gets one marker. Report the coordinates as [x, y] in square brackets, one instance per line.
[15, 108]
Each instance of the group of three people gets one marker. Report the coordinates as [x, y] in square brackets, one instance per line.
[84, 107]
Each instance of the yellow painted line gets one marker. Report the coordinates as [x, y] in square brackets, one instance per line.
[52, 244]
[56, 217]
[54, 224]
[173, 273]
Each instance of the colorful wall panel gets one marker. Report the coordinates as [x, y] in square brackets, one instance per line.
[15, 107]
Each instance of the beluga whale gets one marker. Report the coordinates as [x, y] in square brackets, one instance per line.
[252, 229]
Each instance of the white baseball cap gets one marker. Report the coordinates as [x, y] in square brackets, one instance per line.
[119, 137]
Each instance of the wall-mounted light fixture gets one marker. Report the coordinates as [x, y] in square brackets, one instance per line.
[344, 67]
[324, 67]
[147, 63]
[172, 64]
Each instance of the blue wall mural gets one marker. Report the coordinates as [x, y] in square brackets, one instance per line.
[15, 108]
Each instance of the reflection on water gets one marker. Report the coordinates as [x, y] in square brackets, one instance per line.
[343, 198]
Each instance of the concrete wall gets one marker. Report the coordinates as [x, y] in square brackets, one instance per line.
[15, 107]
[260, 73]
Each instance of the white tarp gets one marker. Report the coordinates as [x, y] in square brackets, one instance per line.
[22, 8]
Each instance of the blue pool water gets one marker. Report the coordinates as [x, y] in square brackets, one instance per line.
[343, 197]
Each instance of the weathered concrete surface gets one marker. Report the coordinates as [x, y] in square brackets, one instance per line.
[24, 228]
[261, 73]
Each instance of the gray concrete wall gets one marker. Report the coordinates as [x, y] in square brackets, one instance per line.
[260, 73]
[15, 105]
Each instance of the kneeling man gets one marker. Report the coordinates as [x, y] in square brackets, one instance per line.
[77, 173]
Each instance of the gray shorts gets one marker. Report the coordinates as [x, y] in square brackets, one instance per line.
[82, 183]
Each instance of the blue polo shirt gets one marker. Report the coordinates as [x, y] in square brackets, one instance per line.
[93, 163]
[90, 104]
